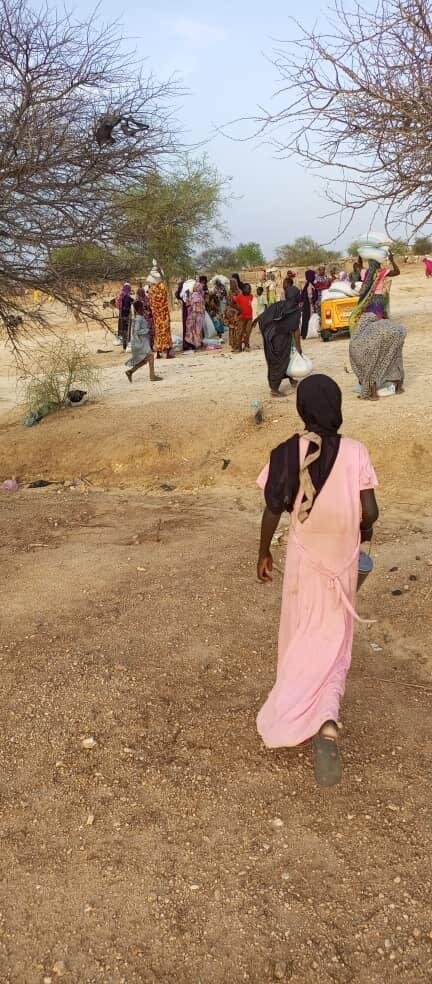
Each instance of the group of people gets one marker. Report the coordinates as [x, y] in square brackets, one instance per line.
[376, 345]
[377, 340]
[144, 323]
[201, 307]
[306, 475]
[228, 306]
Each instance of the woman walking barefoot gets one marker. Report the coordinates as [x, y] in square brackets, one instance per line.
[326, 482]
[142, 352]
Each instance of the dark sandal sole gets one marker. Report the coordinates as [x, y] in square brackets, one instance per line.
[327, 761]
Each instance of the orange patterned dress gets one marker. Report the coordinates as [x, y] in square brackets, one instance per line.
[158, 296]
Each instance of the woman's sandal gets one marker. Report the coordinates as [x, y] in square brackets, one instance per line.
[327, 761]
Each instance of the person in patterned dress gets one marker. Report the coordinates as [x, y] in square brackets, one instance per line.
[158, 297]
[376, 357]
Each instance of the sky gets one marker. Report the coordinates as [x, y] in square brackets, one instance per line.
[221, 53]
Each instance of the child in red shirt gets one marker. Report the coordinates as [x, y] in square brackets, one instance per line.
[244, 301]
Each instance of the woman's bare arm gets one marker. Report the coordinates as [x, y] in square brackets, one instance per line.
[269, 525]
[370, 513]
[394, 272]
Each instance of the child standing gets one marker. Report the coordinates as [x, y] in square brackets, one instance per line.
[244, 302]
[261, 302]
[142, 352]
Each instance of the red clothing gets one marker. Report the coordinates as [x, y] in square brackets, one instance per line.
[322, 283]
[245, 302]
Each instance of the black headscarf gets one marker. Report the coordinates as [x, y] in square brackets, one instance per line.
[319, 404]
[280, 312]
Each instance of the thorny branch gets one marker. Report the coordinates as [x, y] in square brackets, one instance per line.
[58, 78]
[358, 101]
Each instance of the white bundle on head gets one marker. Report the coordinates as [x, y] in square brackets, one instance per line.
[374, 246]
[154, 276]
[374, 239]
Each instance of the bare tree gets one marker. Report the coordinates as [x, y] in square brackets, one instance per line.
[358, 102]
[79, 122]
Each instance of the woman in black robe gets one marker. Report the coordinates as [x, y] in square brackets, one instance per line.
[280, 328]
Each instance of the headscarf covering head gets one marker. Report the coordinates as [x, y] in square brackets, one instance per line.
[125, 292]
[310, 276]
[319, 404]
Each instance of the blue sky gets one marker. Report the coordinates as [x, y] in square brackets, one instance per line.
[219, 49]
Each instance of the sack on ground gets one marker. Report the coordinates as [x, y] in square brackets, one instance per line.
[299, 366]
[313, 326]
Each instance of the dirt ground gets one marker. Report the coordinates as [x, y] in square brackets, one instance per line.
[177, 850]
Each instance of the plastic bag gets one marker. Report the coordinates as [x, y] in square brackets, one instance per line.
[187, 288]
[313, 326]
[209, 328]
[299, 366]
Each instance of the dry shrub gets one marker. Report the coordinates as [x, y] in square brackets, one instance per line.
[53, 370]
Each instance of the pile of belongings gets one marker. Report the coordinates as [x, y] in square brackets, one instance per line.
[340, 288]
[222, 279]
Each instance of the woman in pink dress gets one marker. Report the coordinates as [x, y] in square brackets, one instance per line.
[326, 482]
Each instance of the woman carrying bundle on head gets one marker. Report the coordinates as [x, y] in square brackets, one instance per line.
[326, 483]
[158, 297]
[377, 340]
[374, 296]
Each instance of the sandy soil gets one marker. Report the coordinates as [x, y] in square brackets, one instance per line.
[177, 849]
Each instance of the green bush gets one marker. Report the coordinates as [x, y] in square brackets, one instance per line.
[54, 370]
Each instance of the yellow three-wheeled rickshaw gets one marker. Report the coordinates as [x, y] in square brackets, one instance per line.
[335, 316]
